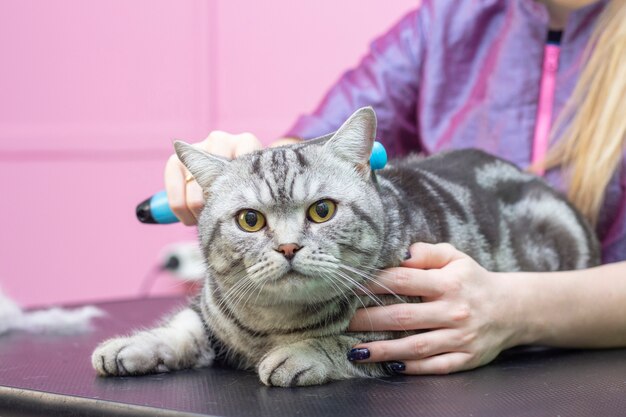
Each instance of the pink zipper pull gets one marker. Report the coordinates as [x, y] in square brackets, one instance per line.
[544, 105]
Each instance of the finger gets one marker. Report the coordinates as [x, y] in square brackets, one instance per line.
[194, 199]
[428, 256]
[246, 143]
[219, 143]
[440, 364]
[284, 142]
[413, 347]
[175, 187]
[409, 316]
[407, 281]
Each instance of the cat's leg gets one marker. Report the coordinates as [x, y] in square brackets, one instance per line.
[314, 362]
[182, 342]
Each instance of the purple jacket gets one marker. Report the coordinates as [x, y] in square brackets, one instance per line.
[459, 74]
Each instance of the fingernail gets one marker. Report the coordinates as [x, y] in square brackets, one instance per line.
[396, 367]
[407, 255]
[358, 354]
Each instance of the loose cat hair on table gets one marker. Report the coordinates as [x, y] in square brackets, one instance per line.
[289, 234]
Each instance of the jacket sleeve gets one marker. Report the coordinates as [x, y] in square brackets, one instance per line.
[386, 79]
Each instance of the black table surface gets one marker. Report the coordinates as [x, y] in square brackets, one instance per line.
[52, 375]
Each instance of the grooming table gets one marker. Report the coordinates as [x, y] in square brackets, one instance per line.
[52, 375]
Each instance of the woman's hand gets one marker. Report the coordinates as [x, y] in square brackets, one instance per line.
[185, 197]
[466, 311]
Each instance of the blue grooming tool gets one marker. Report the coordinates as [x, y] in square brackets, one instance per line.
[378, 158]
[156, 210]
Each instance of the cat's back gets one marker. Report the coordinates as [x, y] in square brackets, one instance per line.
[467, 166]
[505, 218]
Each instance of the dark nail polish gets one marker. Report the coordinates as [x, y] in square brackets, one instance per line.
[396, 367]
[407, 255]
[358, 354]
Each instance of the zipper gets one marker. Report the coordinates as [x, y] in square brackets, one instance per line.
[545, 105]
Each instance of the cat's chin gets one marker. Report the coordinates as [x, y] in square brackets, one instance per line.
[295, 286]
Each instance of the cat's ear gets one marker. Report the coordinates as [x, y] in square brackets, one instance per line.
[203, 166]
[354, 140]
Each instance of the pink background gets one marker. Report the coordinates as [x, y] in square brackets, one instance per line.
[92, 94]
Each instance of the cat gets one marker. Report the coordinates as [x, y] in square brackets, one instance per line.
[290, 233]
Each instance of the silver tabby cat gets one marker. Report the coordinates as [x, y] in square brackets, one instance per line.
[290, 233]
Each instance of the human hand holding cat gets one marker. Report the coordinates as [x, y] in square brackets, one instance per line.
[465, 310]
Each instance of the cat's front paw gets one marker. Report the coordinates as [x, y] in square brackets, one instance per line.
[140, 354]
[291, 367]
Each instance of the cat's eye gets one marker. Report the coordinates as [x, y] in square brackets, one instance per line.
[250, 220]
[321, 211]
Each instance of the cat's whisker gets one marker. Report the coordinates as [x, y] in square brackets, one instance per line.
[360, 287]
[234, 293]
[333, 280]
[357, 297]
[336, 265]
[255, 268]
[245, 294]
[237, 276]
[250, 281]
[327, 274]
[256, 300]
[257, 285]
[241, 286]
[348, 287]
[374, 280]
[233, 275]
[406, 331]
[379, 302]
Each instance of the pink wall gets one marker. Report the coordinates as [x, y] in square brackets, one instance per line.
[92, 93]
[277, 58]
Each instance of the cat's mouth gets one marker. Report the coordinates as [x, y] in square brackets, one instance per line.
[289, 274]
[293, 273]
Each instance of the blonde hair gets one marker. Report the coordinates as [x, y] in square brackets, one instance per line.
[591, 146]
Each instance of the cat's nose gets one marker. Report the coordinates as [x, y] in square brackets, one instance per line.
[288, 249]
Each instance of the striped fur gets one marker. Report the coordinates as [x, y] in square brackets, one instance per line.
[288, 319]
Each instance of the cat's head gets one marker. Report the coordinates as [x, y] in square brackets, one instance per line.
[298, 223]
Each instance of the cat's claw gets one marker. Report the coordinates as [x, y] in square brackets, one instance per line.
[136, 355]
[288, 368]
